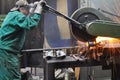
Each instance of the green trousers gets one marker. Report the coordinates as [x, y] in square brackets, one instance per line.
[9, 66]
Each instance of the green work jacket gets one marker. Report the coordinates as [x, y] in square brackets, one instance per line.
[14, 28]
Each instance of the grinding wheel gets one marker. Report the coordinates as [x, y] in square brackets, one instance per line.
[85, 15]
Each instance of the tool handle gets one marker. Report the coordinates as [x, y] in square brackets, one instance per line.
[52, 10]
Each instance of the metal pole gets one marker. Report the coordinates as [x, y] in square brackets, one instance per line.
[52, 10]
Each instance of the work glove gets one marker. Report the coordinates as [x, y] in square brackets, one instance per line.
[39, 6]
[32, 9]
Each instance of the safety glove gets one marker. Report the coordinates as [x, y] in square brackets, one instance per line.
[31, 9]
[39, 6]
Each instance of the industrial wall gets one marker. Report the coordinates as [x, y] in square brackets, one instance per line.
[110, 8]
[56, 29]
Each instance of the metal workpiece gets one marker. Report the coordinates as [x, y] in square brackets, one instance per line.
[57, 54]
[48, 49]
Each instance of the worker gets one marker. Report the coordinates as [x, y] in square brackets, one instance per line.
[12, 37]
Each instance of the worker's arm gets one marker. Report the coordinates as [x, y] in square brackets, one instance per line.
[27, 22]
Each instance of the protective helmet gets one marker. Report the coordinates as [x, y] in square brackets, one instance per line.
[18, 4]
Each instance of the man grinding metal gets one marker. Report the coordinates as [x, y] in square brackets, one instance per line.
[12, 37]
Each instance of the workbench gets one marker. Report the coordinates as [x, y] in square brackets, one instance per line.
[51, 64]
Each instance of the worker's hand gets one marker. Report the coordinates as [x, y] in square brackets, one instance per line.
[31, 9]
[39, 8]
[42, 3]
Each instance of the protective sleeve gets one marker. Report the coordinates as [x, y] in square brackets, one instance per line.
[27, 22]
